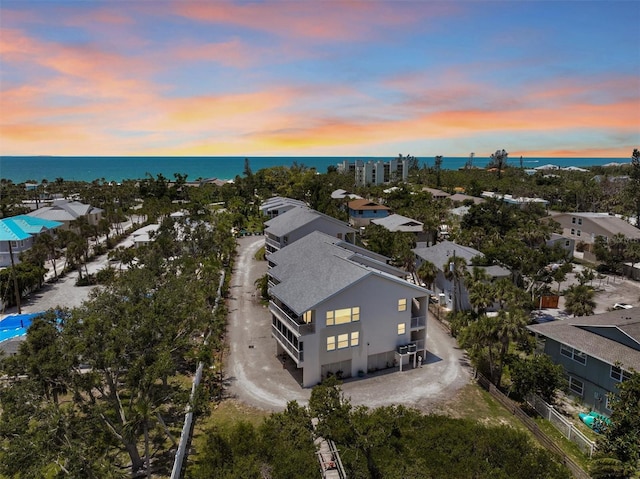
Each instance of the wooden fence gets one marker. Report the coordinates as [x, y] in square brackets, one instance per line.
[545, 440]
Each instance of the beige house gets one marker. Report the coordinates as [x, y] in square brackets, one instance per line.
[586, 227]
[65, 211]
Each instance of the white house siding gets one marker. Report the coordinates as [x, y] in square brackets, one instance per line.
[377, 298]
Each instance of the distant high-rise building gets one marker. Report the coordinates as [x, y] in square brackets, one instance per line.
[376, 172]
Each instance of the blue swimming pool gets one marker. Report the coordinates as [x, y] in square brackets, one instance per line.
[15, 325]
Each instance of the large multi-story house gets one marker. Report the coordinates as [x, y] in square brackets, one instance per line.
[363, 211]
[454, 295]
[290, 226]
[586, 227]
[597, 352]
[65, 211]
[17, 234]
[340, 309]
[278, 204]
[376, 172]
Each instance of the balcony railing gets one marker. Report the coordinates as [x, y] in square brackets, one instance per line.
[284, 342]
[296, 324]
[273, 243]
[418, 322]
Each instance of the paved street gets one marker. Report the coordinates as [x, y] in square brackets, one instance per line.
[258, 378]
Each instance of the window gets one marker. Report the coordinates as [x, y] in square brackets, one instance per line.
[286, 240]
[307, 317]
[578, 233]
[402, 304]
[339, 236]
[343, 316]
[343, 341]
[576, 386]
[331, 343]
[575, 354]
[608, 403]
[573, 220]
[401, 328]
[579, 221]
[330, 318]
[355, 338]
[573, 231]
[619, 374]
[567, 243]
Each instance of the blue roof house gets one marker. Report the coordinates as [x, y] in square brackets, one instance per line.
[17, 234]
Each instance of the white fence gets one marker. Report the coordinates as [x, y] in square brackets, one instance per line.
[562, 424]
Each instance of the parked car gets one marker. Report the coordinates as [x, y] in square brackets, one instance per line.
[622, 306]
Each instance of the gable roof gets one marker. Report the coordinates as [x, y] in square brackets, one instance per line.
[64, 210]
[278, 202]
[441, 253]
[364, 204]
[399, 223]
[318, 266]
[21, 227]
[610, 337]
[297, 217]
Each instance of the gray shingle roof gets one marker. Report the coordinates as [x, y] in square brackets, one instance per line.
[297, 217]
[315, 268]
[399, 223]
[441, 253]
[583, 333]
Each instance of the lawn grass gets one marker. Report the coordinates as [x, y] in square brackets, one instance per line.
[473, 402]
[570, 448]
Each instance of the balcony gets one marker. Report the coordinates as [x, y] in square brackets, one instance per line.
[418, 322]
[294, 323]
[297, 355]
[275, 245]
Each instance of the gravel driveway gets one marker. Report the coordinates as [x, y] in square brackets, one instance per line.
[258, 378]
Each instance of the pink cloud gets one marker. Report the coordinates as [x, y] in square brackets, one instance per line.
[333, 21]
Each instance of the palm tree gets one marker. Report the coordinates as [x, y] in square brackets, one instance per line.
[579, 300]
[427, 272]
[511, 327]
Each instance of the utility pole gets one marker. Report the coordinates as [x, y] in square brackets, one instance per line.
[452, 270]
[15, 279]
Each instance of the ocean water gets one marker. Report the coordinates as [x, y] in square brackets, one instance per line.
[20, 169]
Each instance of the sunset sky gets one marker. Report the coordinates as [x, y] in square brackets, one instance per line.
[320, 78]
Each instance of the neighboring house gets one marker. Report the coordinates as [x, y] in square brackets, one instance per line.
[341, 194]
[66, 211]
[586, 227]
[17, 234]
[376, 172]
[440, 255]
[298, 222]
[566, 243]
[340, 309]
[597, 352]
[437, 194]
[277, 205]
[363, 211]
[145, 235]
[402, 224]
[520, 201]
[462, 198]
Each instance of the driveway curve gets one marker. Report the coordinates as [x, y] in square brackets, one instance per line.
[258, 378]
